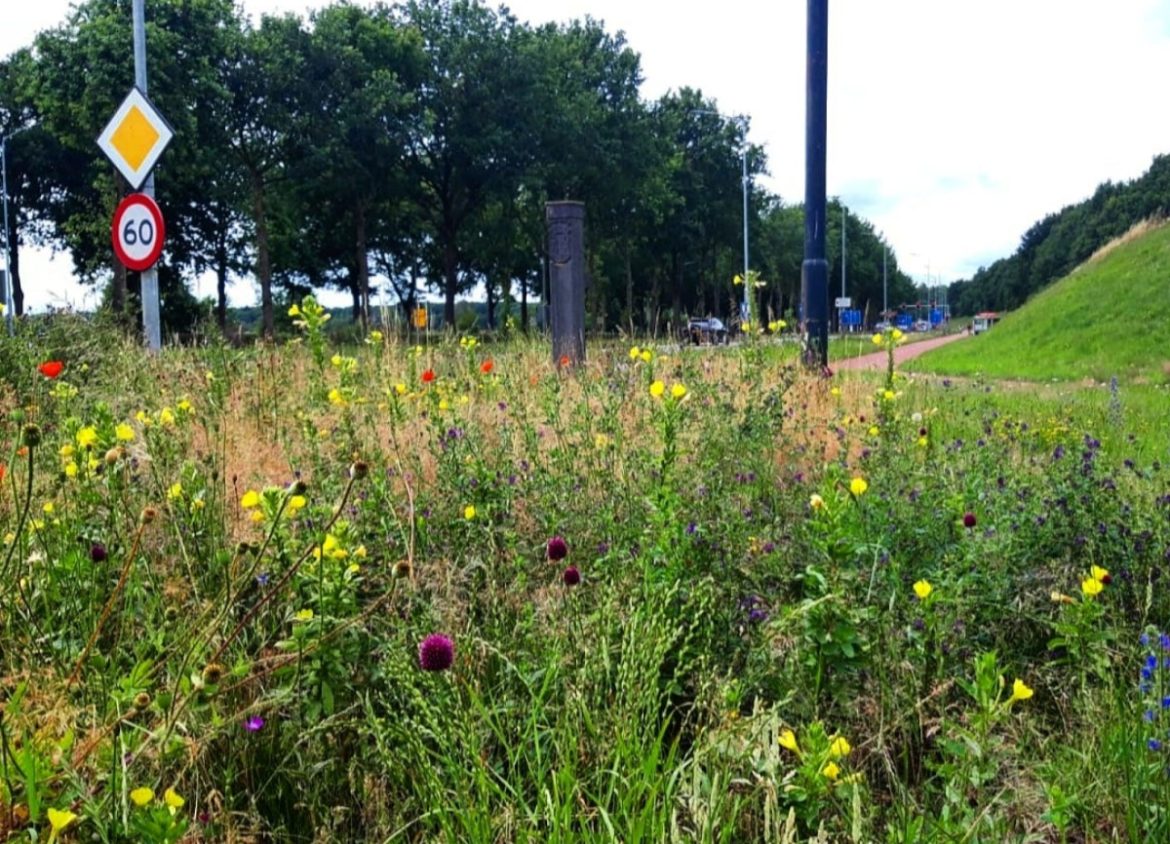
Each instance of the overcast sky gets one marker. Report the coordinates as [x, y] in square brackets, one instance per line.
[953, 126]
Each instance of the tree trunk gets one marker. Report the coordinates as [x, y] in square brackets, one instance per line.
[13, 246]
[221, 274]
[450, 280]
[263, 259]
[491, 304]
[362, 279]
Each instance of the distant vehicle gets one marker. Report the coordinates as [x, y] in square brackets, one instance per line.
[982, 322]
[707, 331]
[922, 325]
[884, 325]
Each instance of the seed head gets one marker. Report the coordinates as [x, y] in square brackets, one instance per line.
[32, 435]
[403, 569]
[359, 470]
[212, 673]
[149, 514]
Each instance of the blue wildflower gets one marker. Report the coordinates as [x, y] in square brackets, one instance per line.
[1148, 715]
[1164, 641]
[1144, 640]
[1154, 745]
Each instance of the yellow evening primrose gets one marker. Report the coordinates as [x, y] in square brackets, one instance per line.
[336, 398]
[1099, 573]
[737, 280]
[304, 615]
[840, 747]
[635, 352]
[124, 433]
[878, 339]
[1091, 586]
[173, 800]
[47, 508]
[142, 418]
[294, 311]
[873, 430]
[141, 796]
[71, 469]
[469, 512]
[184, 406]
[335, 360]
[251, 499]
[745, 326]
[296, 502]
[923, 589]
[678, 391]
[646, 356]
[787, 740]
[400, 388]
[87, 437]
[1020, 690]
[858, 486]
[888, 395]
[922, 441]
[175, 492]
[360, 552]
[897, 335]
[375, 336]
[831, 771]
[58, 820]
[657, 389]
[166, 417]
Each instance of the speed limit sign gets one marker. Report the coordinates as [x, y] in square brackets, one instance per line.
[138, 232]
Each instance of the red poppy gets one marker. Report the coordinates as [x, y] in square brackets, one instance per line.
[428, 376]
[51, 368]
[565, 360]
[3, 471]
[487, 366]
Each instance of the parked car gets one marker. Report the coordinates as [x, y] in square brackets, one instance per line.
[922, 325]
[884, 325]
[707, 330]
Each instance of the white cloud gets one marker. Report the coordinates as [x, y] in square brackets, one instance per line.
[952, 126]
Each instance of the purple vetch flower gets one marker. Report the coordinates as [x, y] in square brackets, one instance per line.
[557, 549]
[571, 576]
[436, 653]
[262, 579]
[691, 528]
[254, 724]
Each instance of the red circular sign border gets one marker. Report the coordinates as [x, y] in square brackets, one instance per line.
[159, 224]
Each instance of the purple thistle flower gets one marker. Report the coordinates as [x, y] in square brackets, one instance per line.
[436, 653]
[254, 724]
[969, 519]
[558, 549]
[97, 552]
[571, 576]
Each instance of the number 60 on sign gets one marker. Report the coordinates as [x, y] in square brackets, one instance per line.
[138, 232]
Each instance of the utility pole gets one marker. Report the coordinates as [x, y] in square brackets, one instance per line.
[150, 299]
[885, 282]
[814, 271]
[841, 310]
[746, 187]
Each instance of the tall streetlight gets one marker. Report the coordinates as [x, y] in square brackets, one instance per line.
[9, 309]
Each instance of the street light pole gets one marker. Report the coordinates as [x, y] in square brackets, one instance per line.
[746, 188]
[9, 304]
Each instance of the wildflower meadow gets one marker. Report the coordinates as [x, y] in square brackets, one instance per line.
[417, 587]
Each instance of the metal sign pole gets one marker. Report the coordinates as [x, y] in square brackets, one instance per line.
[8, 303]
[150, 298]
[815, 269]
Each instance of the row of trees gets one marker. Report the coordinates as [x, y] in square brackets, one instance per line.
[1060, 242]
[411, 145]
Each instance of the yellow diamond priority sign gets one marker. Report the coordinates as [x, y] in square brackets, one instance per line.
[135, 137]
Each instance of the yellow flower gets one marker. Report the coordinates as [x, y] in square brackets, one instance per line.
[375, 336]
[304, 615]
[296, 502]
[923, 589]
[360, 552]
[47, 507]
[331, 543]
[816, 502]
[1099, 573]
[444, 404]
[646, 356]
[184, 406]
[678, 391]
[922, 441]
[251, 499]
[141, 796]
[469, 512]
[1091, 586]
[173, 800]
[59, 819]
[1020, 691]
[657, 389]
[87, 437]
[787, 740]
[873, 430]
[836, 391]
[175, 492]
[335, 360]
[166, 417]
[878, 339]
[840, 747]
[142, 418]
[67, 450]
[831, 771]
[745, 326]
[896, 334]
[336, 398]
[601, 441]
[635, 352]
[257, 516]
[71, 469]
[888, 395]
[858, 486]
[294, 311]
[738, 280]
[124, 433]
[400, 388]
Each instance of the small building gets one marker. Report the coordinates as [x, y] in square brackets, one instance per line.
[983, 321]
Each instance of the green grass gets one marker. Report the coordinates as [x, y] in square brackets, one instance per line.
[1105, 319]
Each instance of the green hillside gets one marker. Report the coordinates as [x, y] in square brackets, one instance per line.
[1107, 318]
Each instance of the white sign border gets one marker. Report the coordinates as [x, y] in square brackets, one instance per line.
[105, 140]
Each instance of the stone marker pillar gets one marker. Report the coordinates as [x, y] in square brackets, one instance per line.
[566, 260]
